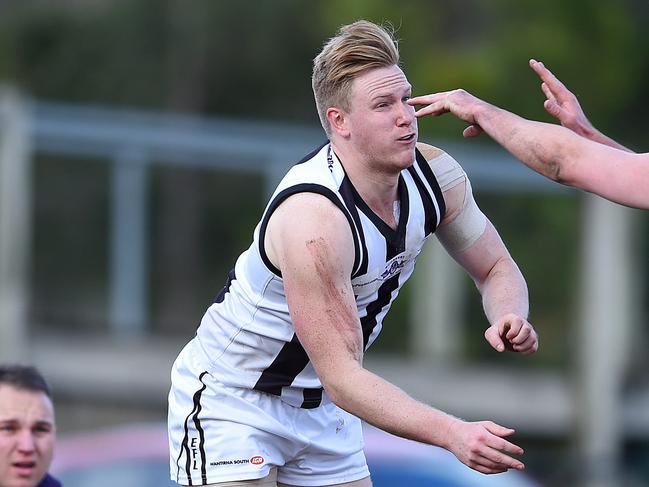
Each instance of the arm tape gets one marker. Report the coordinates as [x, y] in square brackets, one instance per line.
[469, 223]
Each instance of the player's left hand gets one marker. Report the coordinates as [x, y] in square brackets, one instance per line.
[512, 332]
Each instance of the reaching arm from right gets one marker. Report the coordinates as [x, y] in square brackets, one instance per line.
[316, 260]
[553, 151]
[562, 104]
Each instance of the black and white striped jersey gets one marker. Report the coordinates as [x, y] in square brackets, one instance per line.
[247, 336]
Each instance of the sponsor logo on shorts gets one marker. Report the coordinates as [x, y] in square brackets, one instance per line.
[240, 461]
[256, 460]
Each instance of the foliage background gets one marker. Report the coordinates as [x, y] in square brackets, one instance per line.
[252, 60]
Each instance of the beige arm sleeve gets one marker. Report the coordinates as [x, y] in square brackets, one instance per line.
[464, 223]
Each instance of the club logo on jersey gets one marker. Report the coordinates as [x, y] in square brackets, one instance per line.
[392, 267]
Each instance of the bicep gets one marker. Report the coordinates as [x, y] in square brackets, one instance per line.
[316, 259]
[468, 236]
[480, 258]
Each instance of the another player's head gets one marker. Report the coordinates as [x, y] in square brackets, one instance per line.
[354, 50]
[27, 427]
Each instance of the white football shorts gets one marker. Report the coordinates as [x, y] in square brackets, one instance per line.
[219, 433]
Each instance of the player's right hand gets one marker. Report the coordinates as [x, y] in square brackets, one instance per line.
[514, 333]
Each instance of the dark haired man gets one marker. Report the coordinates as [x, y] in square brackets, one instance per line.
[27, 428]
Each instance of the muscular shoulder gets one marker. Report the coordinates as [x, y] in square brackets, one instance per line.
[447, 170]
[305, 220]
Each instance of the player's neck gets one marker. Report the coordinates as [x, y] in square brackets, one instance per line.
[379, 189]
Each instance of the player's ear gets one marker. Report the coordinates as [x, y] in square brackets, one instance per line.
[338, 121]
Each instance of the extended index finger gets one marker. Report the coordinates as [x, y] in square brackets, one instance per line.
[427, 99]
[546, 76]
[435, 104]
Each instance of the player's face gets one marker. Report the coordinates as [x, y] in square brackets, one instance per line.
[26, 436]
[382, 125]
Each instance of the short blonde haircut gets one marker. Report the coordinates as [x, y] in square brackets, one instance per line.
[356, 48]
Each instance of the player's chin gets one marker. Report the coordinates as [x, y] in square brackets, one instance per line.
[406, 156]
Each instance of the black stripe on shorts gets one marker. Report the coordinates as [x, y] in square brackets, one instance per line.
[201, 443]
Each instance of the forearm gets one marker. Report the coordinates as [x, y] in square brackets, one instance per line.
[504, 291]
[382, 404]
[548, 149]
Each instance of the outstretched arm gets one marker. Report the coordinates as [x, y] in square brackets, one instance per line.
[474, 243]
[556, 152]
[562, 104]
[316, 264]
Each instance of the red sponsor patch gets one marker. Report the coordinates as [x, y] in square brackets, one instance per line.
[257, 460]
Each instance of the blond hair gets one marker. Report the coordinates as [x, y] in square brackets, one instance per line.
[356, 48]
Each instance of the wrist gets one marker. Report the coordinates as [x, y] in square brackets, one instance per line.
[483, 112]
[488, 116]
[447, 430]
[587, 130]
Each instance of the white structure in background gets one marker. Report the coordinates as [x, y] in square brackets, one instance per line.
[131, 142]
[608, 286]
[15, 222]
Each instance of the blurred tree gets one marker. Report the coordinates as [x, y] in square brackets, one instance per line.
[254, 61]
[248, 62]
